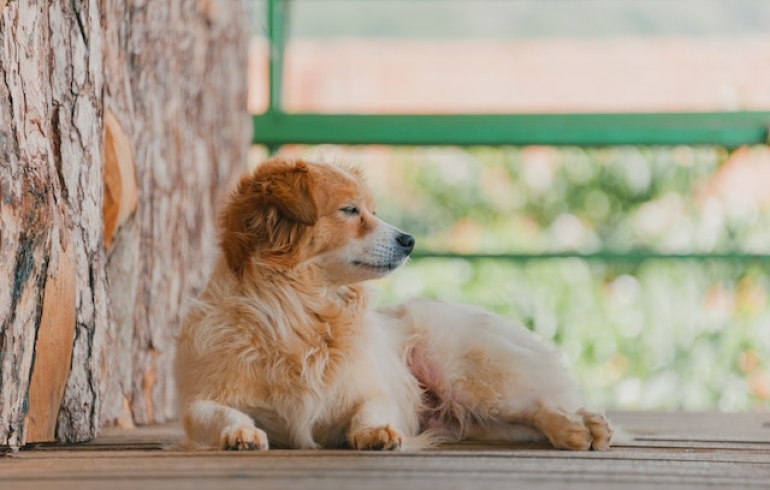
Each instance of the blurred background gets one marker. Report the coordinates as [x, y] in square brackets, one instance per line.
[640, 331]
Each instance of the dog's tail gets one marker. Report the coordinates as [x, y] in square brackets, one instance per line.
[429, 439]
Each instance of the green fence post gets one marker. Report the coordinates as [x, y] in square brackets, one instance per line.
[276, 23]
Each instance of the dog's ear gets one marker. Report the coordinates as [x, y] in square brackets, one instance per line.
[269, 215]
[287, 187]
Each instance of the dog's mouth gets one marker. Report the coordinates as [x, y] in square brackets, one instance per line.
[379, 267]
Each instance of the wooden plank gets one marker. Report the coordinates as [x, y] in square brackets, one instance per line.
[695, 426]
[138, 458]
[388, 470]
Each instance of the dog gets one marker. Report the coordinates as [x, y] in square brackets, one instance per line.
[283, 347]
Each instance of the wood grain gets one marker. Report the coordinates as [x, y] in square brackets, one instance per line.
[53, 349]
[133, 458]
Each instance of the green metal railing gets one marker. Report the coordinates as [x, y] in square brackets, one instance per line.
[729, 129]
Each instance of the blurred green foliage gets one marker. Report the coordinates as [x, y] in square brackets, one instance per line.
[655, 334]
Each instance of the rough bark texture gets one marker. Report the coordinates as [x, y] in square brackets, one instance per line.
[121, 122]
[50, 173]
[175, 80]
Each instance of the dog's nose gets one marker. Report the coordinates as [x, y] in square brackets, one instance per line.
[406, 241]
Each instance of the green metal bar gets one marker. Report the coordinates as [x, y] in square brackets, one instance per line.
[275, 28]
[730, 129]
[276, 23]
[632, 256]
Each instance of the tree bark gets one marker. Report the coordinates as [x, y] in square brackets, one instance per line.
[54, 299]
[121, 123]
[175, 81]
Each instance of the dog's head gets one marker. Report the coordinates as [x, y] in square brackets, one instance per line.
[289, 213]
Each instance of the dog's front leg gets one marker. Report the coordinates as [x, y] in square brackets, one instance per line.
[370, 427]
[213, 424]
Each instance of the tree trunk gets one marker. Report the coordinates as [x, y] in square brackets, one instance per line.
[121, 122]
[53, 303]
[176, 82]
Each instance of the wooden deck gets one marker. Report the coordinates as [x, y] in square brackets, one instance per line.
[662, 450]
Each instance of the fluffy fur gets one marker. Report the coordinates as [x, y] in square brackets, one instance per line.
[283, 348]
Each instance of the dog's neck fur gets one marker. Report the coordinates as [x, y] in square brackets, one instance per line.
[297, 302]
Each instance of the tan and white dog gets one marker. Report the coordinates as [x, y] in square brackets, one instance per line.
[283, 347]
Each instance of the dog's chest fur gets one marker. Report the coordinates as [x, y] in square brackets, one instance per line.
[308, 359]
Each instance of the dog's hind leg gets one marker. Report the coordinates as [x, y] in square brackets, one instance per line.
[552, 408]
[497, 379]
[580, 430]
[577, 430]
[212, 424]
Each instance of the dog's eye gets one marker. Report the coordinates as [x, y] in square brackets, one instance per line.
[350, 210]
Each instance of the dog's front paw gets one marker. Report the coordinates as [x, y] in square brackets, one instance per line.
[243, 437]
[379, 438]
